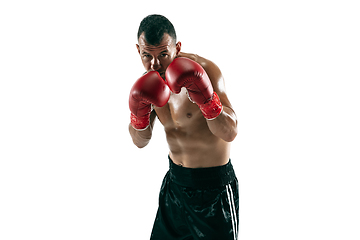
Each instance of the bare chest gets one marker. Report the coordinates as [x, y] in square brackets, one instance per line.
[180, 113]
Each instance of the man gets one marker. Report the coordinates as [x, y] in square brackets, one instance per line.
[199, 195]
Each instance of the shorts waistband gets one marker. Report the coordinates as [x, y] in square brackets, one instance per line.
[202, 177]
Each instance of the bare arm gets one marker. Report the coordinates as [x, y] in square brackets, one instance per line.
[142, 138]
[225, 125]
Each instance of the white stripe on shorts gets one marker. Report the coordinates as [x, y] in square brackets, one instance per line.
[230, 197]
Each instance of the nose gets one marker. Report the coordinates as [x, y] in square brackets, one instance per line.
[155, 64]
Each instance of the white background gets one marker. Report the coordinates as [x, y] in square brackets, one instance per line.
[68, 168]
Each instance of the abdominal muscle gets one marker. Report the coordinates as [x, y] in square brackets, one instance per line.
[190, 141]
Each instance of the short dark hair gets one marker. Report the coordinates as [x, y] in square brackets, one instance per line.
[154, 27]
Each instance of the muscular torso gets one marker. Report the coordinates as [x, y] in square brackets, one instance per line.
[191, 142]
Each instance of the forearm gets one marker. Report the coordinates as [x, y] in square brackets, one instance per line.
[142, 138]
[225, 125]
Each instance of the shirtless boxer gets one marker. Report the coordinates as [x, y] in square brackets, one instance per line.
[199, 195]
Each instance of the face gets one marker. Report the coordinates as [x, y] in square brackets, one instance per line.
[158, 58]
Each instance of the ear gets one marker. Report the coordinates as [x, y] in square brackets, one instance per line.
[178, 48]
[138, 48]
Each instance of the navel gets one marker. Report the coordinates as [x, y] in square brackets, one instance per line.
[189, 115]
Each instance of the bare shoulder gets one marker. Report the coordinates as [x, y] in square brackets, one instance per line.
[191, 56]
[201, 60]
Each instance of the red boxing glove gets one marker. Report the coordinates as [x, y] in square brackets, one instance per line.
[148, 89]
[183, 72]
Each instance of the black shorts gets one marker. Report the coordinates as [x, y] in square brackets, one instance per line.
[200, 203]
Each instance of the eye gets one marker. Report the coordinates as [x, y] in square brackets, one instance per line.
[163, 55]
